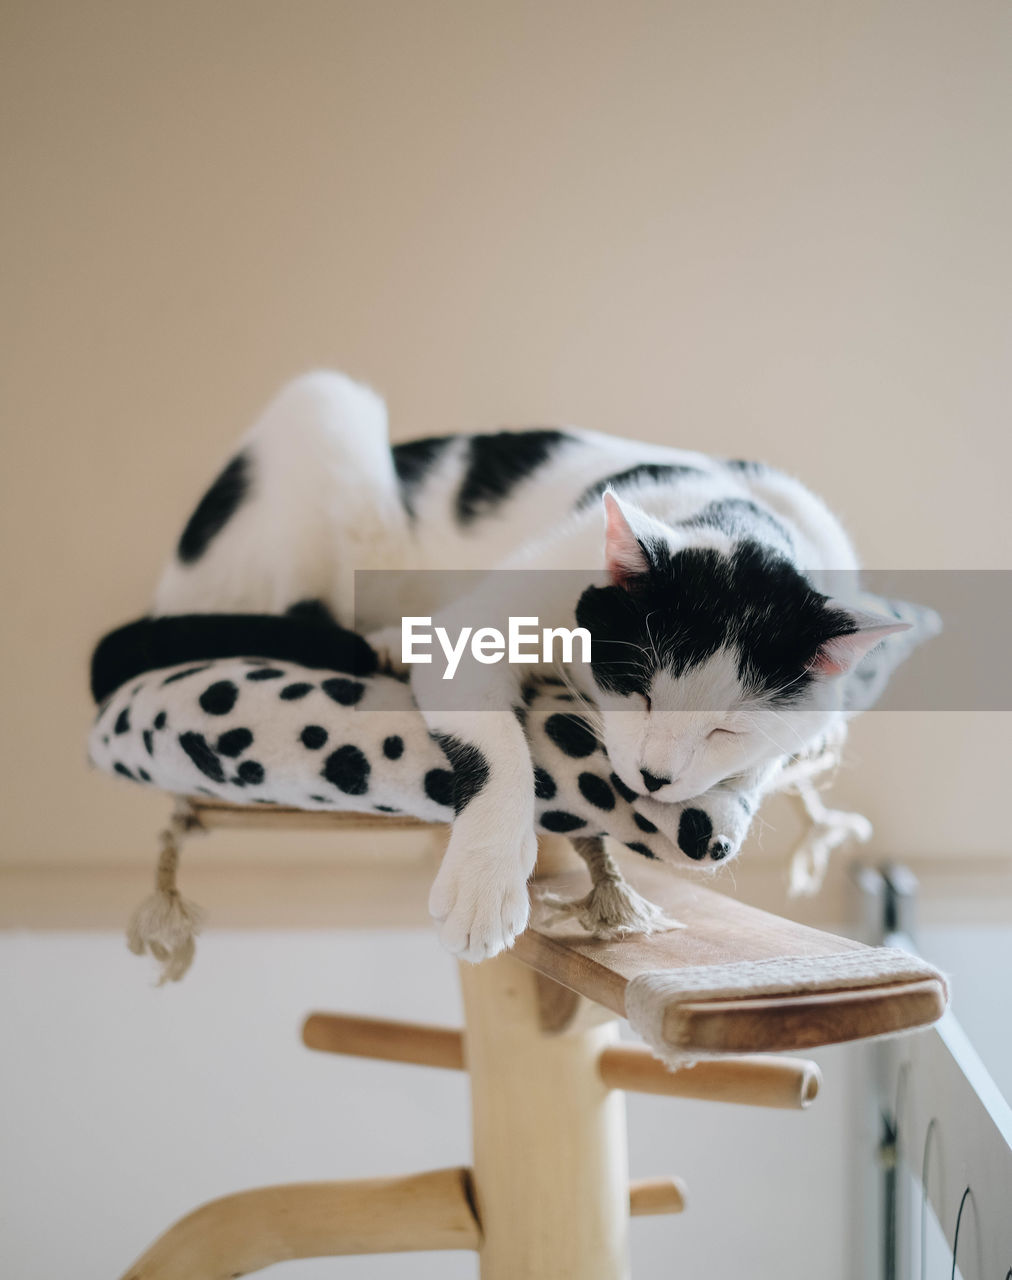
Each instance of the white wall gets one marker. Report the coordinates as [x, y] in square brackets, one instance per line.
[121, 1107]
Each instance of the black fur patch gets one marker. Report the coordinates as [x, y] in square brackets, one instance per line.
[149, 741]
[571, 734]
[393, 747]
[544, 784]
[470, 769]
[498, 463]
[413, 460]
[143, 773]
[123, 771]
[251, 772]
[560, 820]
[692, 602]
[641, 848]
[234, 743]
[345, 692]
[596, 790]
[745, 467]
[314, 736]
[122, 724]
[161, 720]
[219, 698]
[195, 746]
[348, 770]
[438, 785]
[740, 518]
[645, 471]
[644, 824]
[213, 512]
[265, 673]
[293, 692]
[694, 832]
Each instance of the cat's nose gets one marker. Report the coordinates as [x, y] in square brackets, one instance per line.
[652, 782]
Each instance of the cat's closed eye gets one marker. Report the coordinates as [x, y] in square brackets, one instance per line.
[725, 733]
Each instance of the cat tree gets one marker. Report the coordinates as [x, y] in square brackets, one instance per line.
[548, 1195]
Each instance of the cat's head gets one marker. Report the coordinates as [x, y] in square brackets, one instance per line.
[709, 660]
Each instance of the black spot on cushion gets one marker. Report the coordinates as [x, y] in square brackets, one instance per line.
[183, 675]
[694, 832]
[470, 769]
[393, 747]
[641, 848]
[571, 734]
[438, 785]
[161, 720]
[413, 460]
[596, 790]
[264, 673]
[149, 741]
[544, 784]
[234, 742]
[196, 747]
[348, 770]
[251, 772]
[344, 692]
[213, 512]
[219, 698]
[627, 793]
[293, 692]
[644, 824]
[497, 463]
[560, 820]
[123, 721]
[314, 736]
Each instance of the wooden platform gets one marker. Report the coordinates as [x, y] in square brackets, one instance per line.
[720, 930]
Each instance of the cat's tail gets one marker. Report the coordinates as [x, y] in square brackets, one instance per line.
[309, 492]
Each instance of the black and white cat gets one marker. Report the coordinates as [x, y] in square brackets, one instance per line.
[715, 652]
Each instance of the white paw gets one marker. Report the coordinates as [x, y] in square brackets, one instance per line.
[479, 898]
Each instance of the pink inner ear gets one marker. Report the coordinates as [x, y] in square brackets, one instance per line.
[623, 555]
[840, 654]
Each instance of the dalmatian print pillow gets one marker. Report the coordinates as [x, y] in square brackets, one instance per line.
[256, 731]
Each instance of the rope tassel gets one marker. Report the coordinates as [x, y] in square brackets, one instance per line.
[166, 925]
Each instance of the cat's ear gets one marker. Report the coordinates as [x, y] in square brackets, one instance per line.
[624, 556]
[862, 632]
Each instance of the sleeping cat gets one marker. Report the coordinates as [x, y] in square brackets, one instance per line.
[715, 653]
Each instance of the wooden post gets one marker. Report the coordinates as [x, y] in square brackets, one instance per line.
[551, 1175]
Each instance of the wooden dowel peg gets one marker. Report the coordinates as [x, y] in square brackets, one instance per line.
[650, 1196]
[360, 1037]
[255, 1229]
[754, 1080]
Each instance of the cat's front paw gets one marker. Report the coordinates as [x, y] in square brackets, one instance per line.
[709, 829]
[479, 898]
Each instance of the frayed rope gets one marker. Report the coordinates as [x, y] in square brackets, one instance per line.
[613, 908]
[166, 925]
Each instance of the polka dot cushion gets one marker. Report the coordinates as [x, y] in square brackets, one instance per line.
[259, 731]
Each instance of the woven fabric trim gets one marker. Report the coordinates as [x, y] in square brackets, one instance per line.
[649, 996]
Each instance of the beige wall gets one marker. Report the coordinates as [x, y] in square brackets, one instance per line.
[762, 229]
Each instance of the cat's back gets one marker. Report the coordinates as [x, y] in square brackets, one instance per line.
[473, 500]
